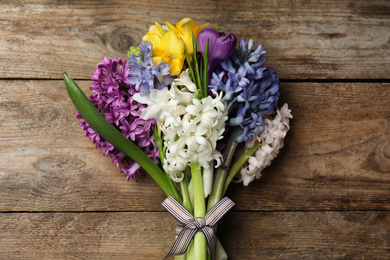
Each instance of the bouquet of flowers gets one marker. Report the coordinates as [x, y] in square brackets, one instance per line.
[194, 111]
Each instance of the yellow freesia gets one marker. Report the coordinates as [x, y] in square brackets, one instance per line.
[184, 29]
[169, 45]
[155, 29]
[168, 49]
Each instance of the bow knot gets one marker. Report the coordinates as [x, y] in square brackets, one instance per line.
[200, 223]
[193, 225]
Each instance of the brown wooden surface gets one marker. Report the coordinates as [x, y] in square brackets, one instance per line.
[258, 235]
[327, 195]
[304, 39]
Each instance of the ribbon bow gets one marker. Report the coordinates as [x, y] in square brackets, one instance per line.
[193, 225]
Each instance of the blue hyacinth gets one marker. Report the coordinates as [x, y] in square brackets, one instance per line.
[144, 72]
[252, 89]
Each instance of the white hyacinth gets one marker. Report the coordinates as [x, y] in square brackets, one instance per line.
[271, 140]
[191, 126]
[185, 80]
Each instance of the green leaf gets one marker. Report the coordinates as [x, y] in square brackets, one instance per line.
[196, 65]
[96, 120]
[189, 63]
[205, 69]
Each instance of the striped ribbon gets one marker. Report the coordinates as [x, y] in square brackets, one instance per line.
[191, 225]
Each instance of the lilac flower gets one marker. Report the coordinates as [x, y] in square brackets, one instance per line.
[221, 46]
[108, 69]
[112, 96]
[252, 89]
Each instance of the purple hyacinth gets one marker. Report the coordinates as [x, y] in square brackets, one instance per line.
[252, 89]
[112, 96]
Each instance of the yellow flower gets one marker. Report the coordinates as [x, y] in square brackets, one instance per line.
[169, 45]
[184, 29]
[168, 49]
[154, 30]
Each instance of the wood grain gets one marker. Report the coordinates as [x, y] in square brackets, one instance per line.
[304, 39]
[140, 235]
[336, 157]
[325, 197]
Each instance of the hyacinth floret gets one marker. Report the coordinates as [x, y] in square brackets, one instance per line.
[191, 126]
[112, 96]
[144, 73]
[271, 140]
[252, 89]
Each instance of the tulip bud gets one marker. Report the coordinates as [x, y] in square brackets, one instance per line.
[221, 46]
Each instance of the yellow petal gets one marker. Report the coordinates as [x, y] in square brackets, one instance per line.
[166, 59]
[200, 28]
[157, 60]
[186, 26]
[156, 41]
[157, 29]
[153, 30]
[188, 44]
[168, 48]
[173, 29]
[176, 66]
[172, 43]
[146, 38]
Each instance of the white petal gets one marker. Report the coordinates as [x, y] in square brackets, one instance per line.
[208, 179]
[152, 111]
[185, 80]
[143, 99]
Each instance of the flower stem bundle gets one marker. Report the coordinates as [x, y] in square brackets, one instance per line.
[190, 109]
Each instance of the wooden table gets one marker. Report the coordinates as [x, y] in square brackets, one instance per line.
[325, 197]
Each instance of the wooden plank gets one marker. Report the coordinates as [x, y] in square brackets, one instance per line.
[46, 159]
[337, 153]
[336, 156]
[307, 235]
[304, 39]
[139, 235]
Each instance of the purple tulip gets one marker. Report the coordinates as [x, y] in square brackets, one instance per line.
[220, 46]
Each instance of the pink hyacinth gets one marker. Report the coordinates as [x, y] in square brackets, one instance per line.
[271, 140]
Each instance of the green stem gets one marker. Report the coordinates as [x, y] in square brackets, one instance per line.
[160, 146]
[221, 253]
[190, 251]
[186, 196]
[192, 75]
[216, 194]
[191, 189]
[196, 65]
[239, 163]
[96, 120]
[200, 243]
[220, 176]
[205, 68]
